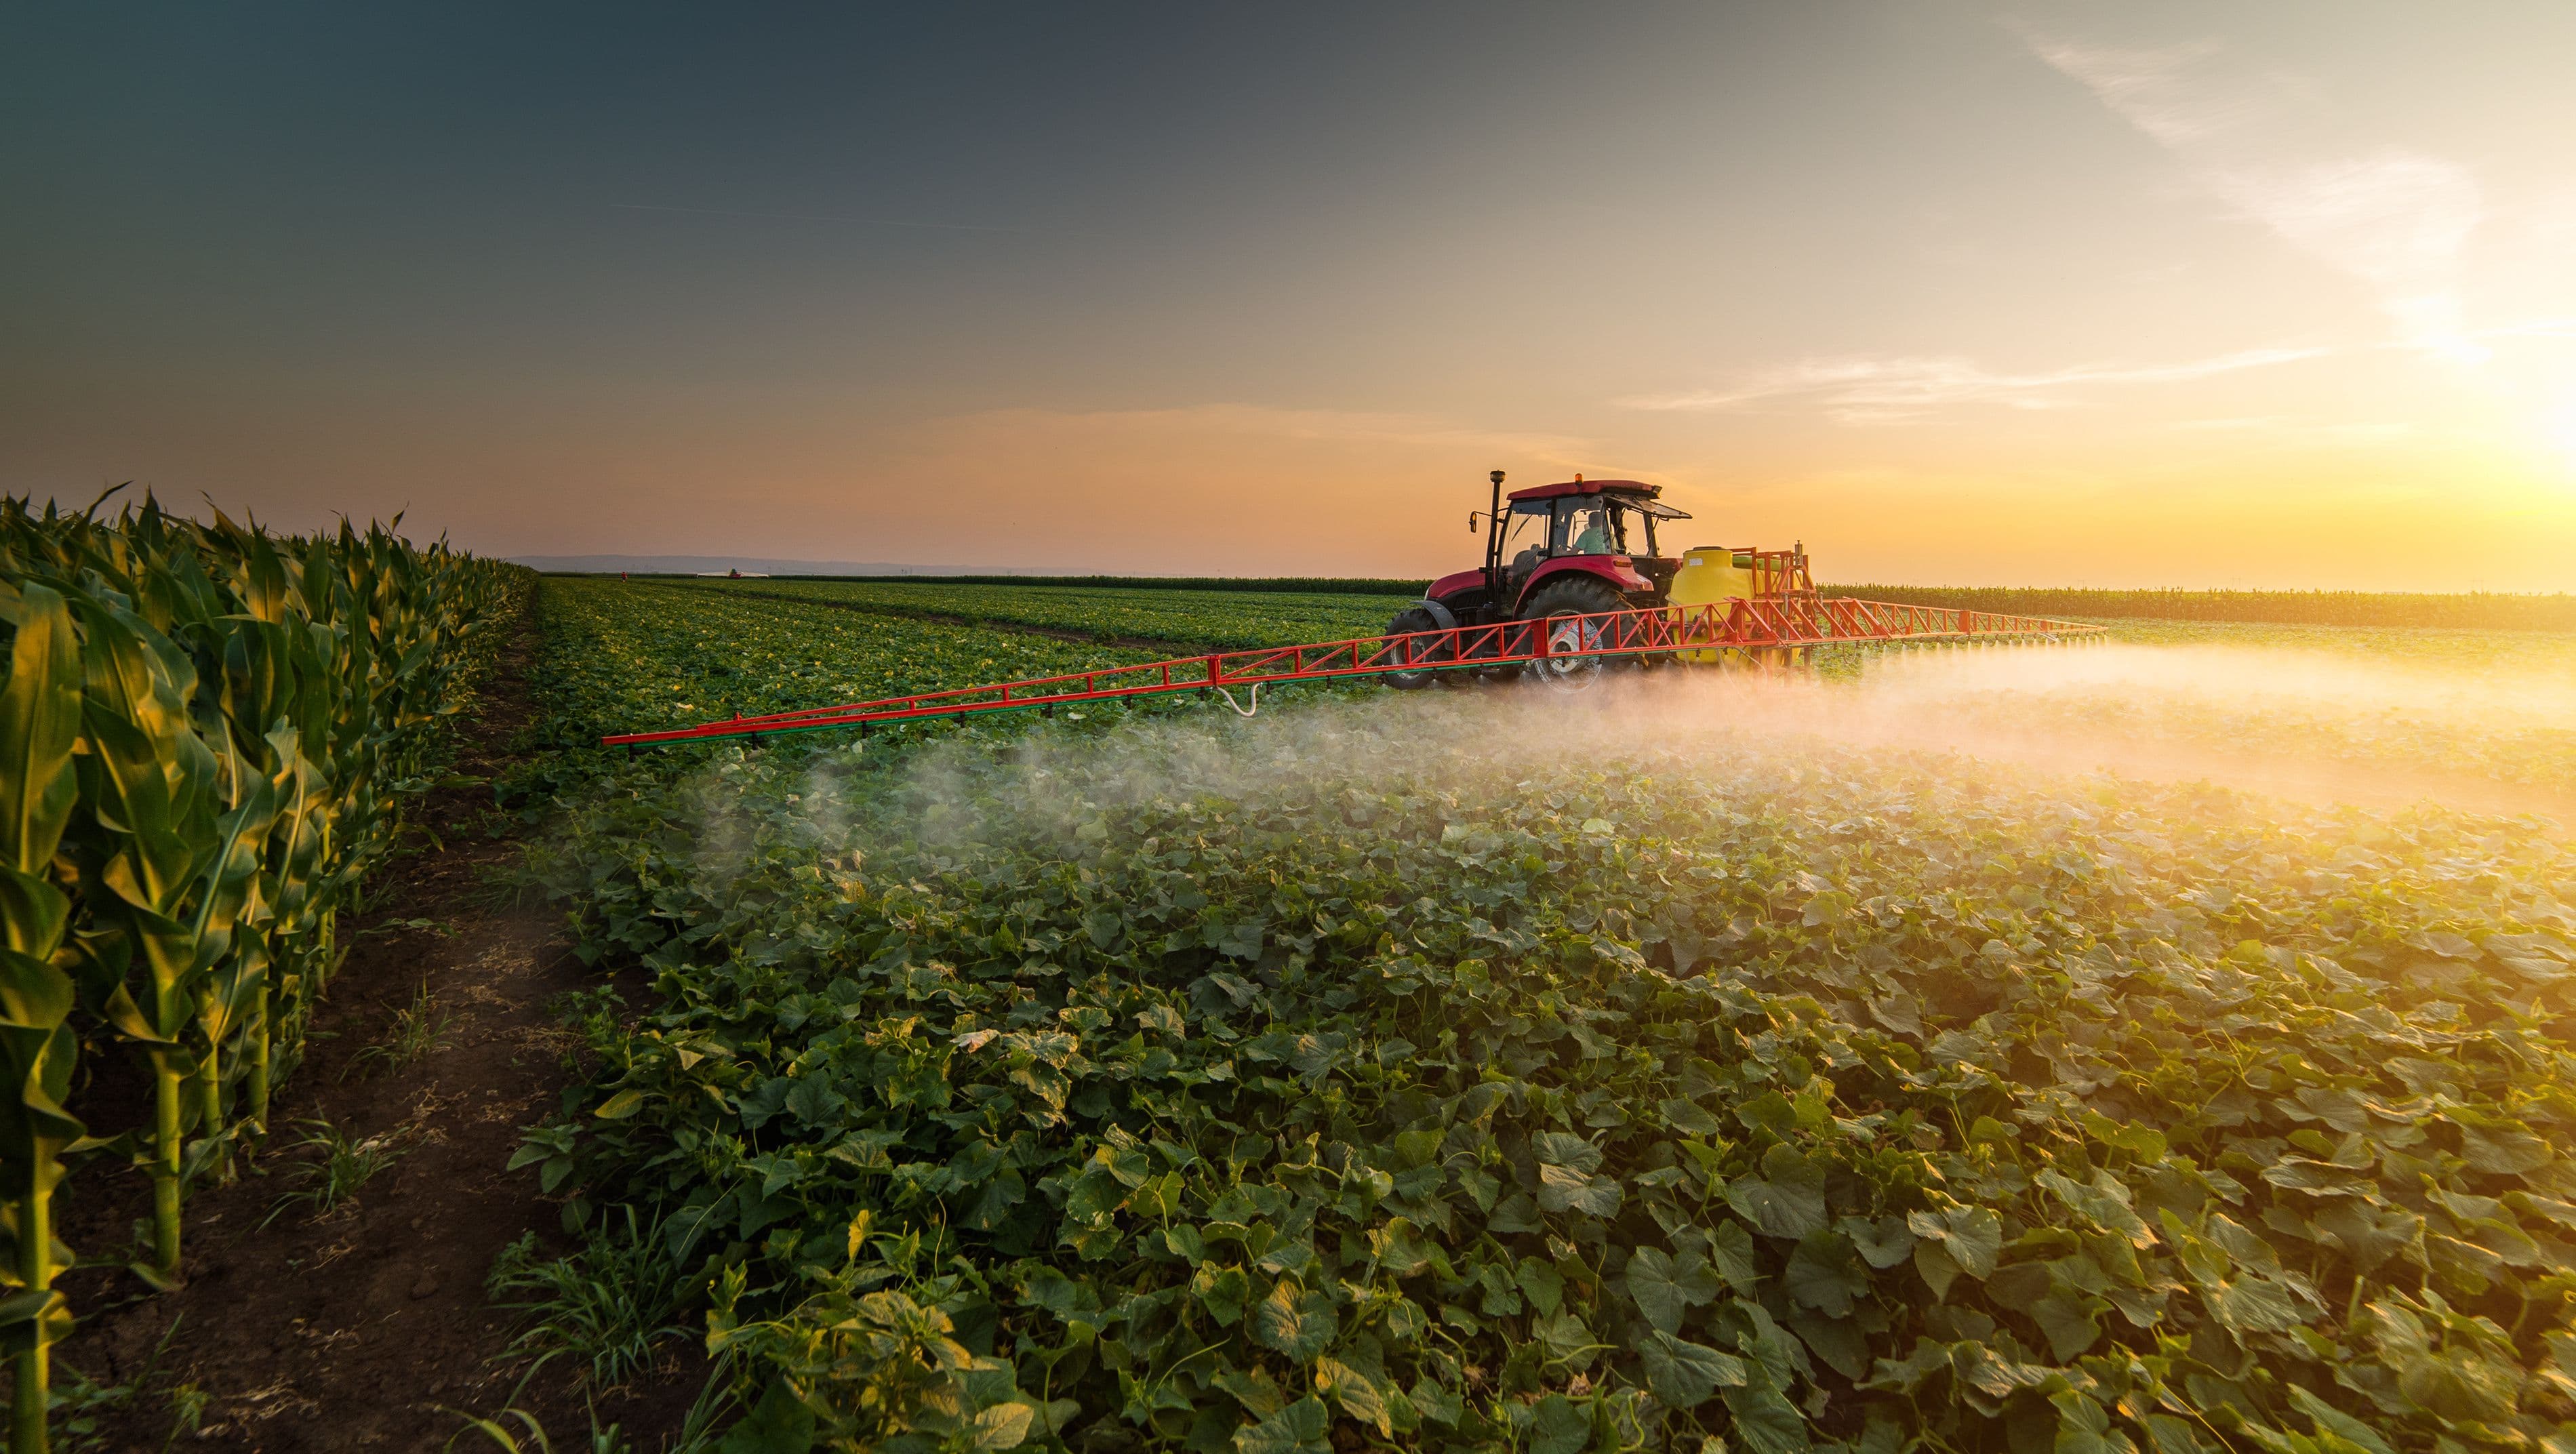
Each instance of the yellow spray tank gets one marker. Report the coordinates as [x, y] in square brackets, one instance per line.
[1712, 575]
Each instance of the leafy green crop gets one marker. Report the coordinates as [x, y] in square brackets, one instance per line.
[624, 657]
[1184, 619]
[1458, 1073]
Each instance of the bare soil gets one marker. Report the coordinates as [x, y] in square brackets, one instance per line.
[362, 1329]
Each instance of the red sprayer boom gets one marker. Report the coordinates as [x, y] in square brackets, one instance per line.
[1773, 628]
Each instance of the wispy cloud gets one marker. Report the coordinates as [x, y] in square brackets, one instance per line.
[1891, 390]
[2392, 218]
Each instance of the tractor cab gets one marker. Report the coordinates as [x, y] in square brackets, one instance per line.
[1593, 539]
[1606, 529]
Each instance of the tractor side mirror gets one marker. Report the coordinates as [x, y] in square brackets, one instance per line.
[1472, 517]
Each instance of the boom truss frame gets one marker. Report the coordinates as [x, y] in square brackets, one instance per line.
[1766, 627]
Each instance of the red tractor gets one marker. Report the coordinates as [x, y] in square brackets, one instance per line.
[1553, 550]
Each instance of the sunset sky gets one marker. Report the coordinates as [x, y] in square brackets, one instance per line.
[2053, 294]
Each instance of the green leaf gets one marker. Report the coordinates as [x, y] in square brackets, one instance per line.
[1565, 1338]
[1787, 1212]
[621, 1105]
[1932, 1259]
[1686, 1375]
[1666, 1286]
[1689, 1118]
[2084, 1427]
[1298, 1325]
[2503, 1153]
[1300, 1428]
[1257, 1391]
[1768, 1112]
[40, 713]
[1824, 1273]
[1357, 1395]
[1972, 1236]
[1094, 1194]
[1003, 1426]
[1884, 1243]
[2251, 1305]
[1558, 1427]
[1222, 1290]
[1543, 1285]
[2332, 1420]
[2072, 1324]
[1730, 1251]
[1765, 1421]
[1563, 1189]
[1558, 1148]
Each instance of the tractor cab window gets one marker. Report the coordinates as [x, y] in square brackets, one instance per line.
[1635, 524]
[1636, 528]
[1525, 536]
[1586, 527]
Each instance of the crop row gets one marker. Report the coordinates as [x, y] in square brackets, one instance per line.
[1185, 620]
[644, 656]
[1402, 589]
[209, 737]
[1456, 1073]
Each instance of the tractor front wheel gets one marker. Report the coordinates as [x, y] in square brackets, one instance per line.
[1556, 605]
[1416, 618]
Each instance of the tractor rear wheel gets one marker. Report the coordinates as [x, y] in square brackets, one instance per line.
[1416, 618]
[1566, 665]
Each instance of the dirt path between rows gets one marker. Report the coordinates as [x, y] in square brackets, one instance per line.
[358, 1330]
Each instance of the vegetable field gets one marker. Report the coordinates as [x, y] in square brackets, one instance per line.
[626, 657]
[1185, 620]
[1678, 1068]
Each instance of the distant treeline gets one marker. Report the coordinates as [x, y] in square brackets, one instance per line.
[2484, 610]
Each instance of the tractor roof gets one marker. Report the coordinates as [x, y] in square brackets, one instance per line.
[1588, 487]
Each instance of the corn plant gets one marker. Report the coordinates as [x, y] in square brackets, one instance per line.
[210, 735]
[40, 710]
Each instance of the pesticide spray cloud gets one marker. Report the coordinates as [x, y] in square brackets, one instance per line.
[2314, 727]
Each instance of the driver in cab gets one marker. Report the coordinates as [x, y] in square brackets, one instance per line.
[1595, 536]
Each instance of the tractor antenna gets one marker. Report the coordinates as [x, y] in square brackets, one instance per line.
[1498, 477]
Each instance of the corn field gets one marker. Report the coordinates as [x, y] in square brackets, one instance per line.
[210, 734]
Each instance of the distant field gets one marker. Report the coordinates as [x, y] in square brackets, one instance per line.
[2545, 654]
[1327, 585]
[2474, 609]
[1183, 619]
[2471, 610]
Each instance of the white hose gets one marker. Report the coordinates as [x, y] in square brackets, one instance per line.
[1254, 693]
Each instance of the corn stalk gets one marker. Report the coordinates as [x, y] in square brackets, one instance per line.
[40, 710]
